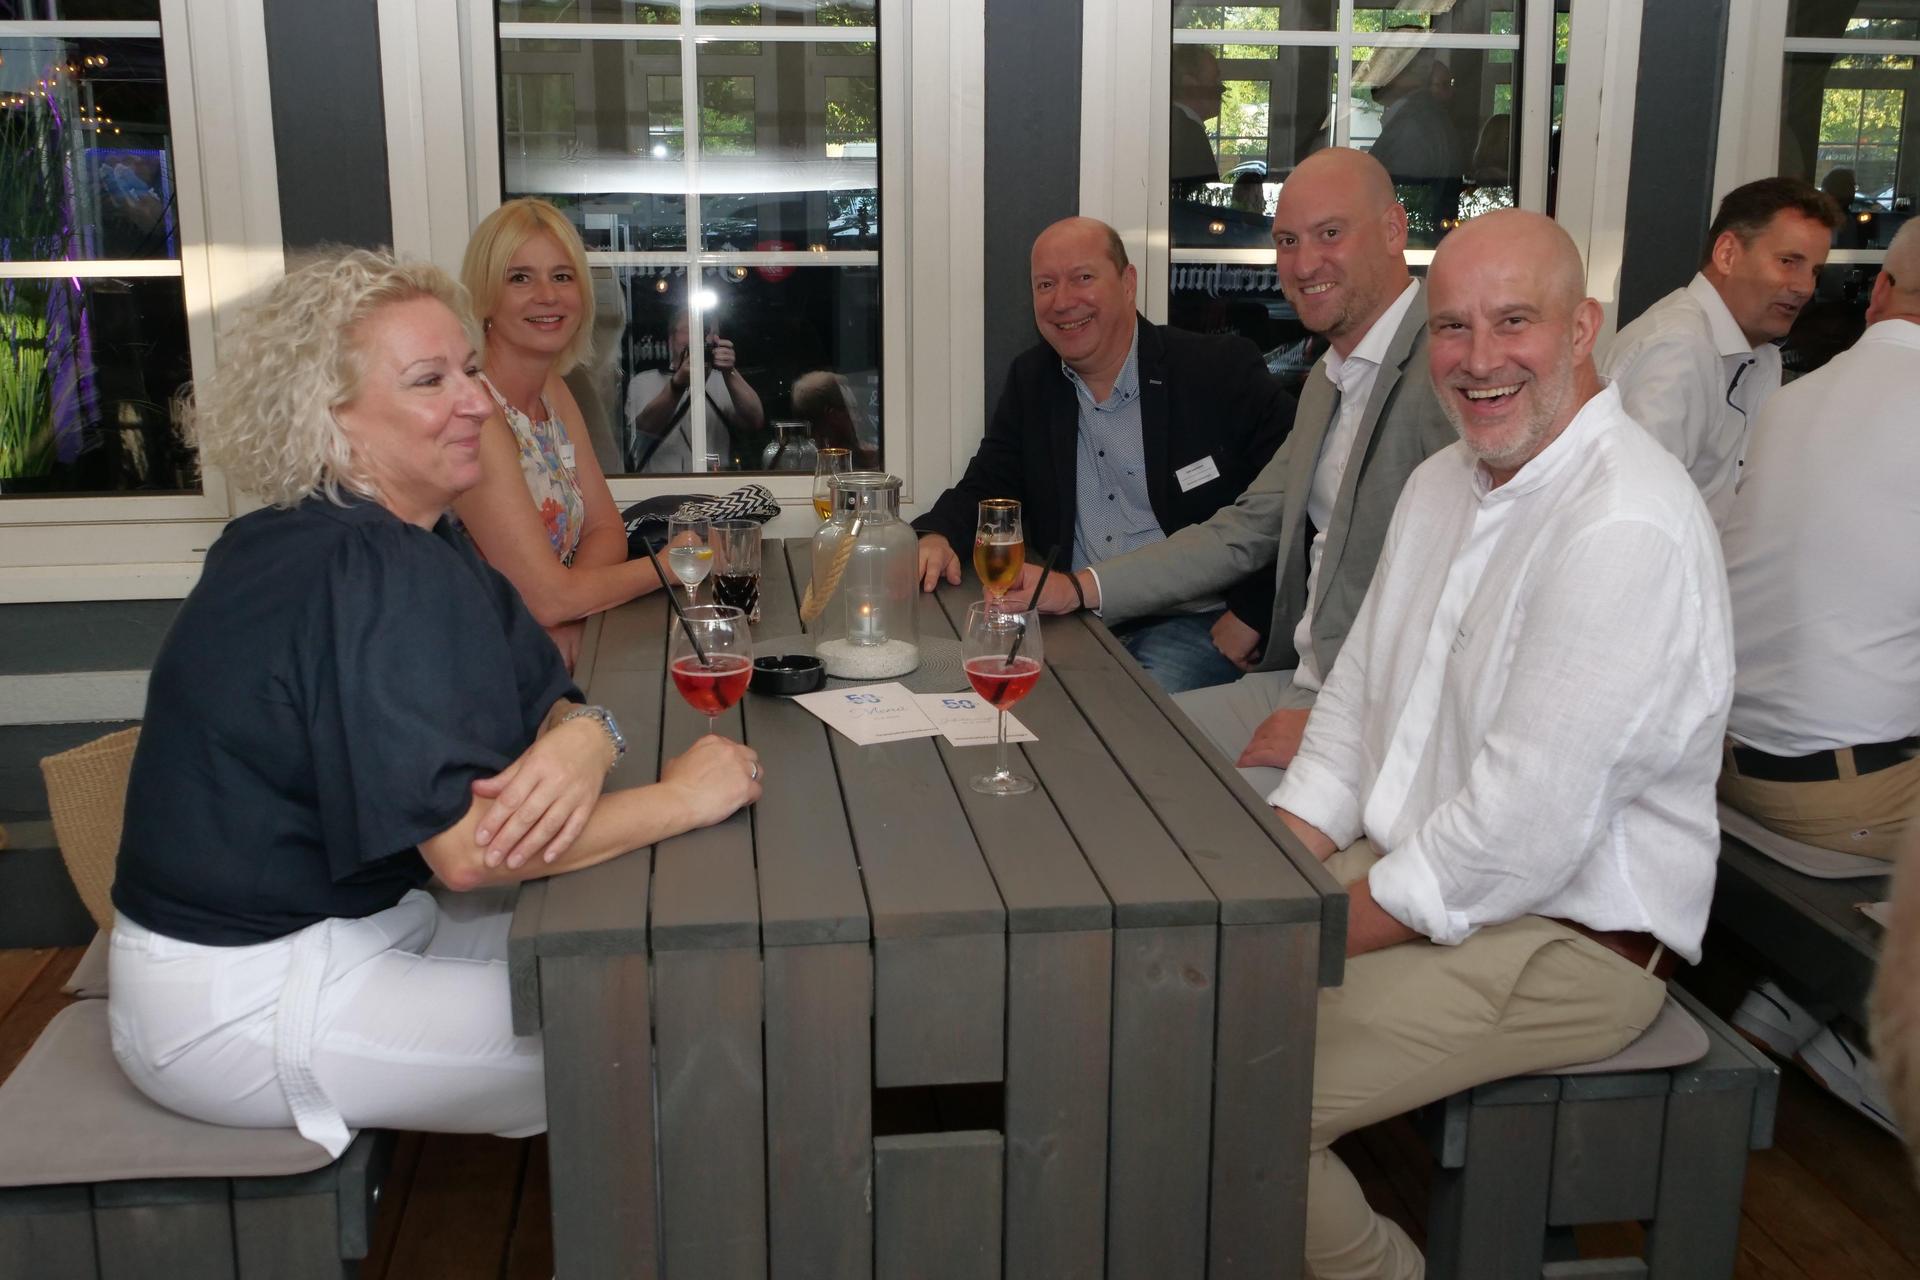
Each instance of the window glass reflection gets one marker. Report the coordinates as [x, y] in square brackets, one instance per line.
[790, 147]
[1845, 124]
[587, 11]
[88, 371]
[86, 164]
[1274, 15]
[1833, 321]
[1854, 19]
[789, 13]
[792, 355]
[1241, 116]
[79, 10]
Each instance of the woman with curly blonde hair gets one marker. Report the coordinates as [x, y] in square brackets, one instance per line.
[542, 513]
[349, 703]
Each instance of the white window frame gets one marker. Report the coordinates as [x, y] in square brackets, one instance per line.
[1125, 184]
[1756, 71]
[443, 149]
[149, 546]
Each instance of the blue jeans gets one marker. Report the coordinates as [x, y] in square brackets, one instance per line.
[1177, 650]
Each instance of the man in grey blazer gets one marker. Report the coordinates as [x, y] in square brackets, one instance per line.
[1318, 512]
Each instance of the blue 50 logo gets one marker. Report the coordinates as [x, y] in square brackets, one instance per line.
[863, 698]
[958, 704]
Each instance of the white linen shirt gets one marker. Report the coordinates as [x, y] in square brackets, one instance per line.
[1820, 556]
[1355, 377]
[1687, 374]
[1527, 715]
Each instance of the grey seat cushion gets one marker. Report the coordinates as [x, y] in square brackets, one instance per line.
[1673, 1040]
[89, 978]
[71, 1115]
[1807, 859]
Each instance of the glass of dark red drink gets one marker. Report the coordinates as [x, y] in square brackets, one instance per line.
[1002, 656]
[712, 673]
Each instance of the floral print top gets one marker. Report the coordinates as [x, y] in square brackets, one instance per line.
[551, 482]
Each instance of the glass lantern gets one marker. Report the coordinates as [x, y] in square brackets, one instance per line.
[865, 591]
[791, 449]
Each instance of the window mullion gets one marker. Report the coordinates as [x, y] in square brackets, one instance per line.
[690, 144]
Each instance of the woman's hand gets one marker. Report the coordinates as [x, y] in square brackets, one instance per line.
[713, 778]
[541, 801]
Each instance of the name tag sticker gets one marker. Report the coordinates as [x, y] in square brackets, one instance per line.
[566, 455]
[1196, 474]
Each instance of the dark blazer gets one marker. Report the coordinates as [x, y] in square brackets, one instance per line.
[1200, 397]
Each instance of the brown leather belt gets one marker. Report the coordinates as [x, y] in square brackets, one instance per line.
[1635, 948]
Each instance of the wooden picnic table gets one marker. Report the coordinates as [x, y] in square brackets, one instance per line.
[880, 1025]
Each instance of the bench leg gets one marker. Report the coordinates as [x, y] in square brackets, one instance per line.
[1488, 1218]
[1695, 1234]
[46, 1233]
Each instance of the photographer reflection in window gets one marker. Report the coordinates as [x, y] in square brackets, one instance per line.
[659, 406]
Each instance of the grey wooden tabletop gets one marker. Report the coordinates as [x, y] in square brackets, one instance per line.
[1137, 822]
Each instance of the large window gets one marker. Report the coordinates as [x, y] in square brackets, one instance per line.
[93, 316]
[1435, 90]
[722, 162]
[1835, 99]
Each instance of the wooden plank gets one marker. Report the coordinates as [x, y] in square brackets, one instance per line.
[1489, 1214]
[781, 584]
[35, 1007]
[461, 1206]
[712, 1096]
[584, 663]
[18, 968]
[819, 1055]
[937, 1206]
[46, 1233]
[939, 1010]
[809, 883]
[1162, 1094]
[1606, 1157]
[523, 956]
[288, 1237]
[600, 1115]
[162, 1230]
[1245, 867]
[1703, 1169]
[705, 889]
[1059, 1029]
[1262, 1098]
[633, 637]
[530, 1251]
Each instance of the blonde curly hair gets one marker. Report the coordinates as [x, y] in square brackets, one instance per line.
[266, 418]
[483, 270]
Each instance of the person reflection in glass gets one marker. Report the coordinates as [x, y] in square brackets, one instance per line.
[659, 408]
[833, 414]
[1418, 143]
[1196, 99]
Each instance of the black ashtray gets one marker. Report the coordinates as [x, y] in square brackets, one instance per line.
[784, 675]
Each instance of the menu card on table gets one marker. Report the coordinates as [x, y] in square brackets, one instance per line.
[969, 720]
[871, 713]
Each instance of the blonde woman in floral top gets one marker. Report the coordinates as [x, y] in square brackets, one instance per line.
[542, 514]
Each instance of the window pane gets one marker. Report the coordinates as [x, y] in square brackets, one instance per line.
[1833, 321]
[88, 369]
[1241, 117]
[805, 345]
[1859, 20]
[587, 11]
[1274, 15]
[790, 145]
[1467, 18]
[80, 10]
[1845, 122]
[1441, 121]
[86, 168]
[597, 127]
[789, 13]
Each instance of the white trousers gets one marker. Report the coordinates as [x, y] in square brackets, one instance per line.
[1230, 713]
[400, 1020]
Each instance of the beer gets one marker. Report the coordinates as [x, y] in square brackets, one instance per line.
[998, 561]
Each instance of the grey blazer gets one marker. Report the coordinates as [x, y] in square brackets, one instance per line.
[1267, 525]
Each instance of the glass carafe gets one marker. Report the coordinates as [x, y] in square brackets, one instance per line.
[791, 449]
[864, 591]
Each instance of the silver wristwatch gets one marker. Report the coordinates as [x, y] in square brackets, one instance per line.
[607, 722]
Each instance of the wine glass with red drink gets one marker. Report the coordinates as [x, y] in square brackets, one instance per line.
[713, 676]
[1002, 657]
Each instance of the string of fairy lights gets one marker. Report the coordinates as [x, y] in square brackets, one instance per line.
[87, 115]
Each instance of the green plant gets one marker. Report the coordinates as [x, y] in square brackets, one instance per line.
[34, 226]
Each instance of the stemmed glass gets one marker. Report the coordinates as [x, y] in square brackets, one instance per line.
[1002, 657]
[688, 554]
[711, 685]
[830, 463]
[999, 547]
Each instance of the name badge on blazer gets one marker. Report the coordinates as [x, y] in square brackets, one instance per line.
[1195, 474]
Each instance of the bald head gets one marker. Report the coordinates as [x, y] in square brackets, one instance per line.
[1896, 291]
[1510, 336]
[1083, 298]
[1083, 232]
[1339, 244]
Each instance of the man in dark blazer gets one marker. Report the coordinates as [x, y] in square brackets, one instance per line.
[1316, 516]
[1112, 434]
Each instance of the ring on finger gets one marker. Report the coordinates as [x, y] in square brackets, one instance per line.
[753, 771]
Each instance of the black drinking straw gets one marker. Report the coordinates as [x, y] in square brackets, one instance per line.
[1033, 603]
[667, 586]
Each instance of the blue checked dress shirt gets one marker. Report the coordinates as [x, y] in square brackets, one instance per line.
[1113, 514]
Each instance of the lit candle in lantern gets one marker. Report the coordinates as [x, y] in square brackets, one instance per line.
[864, 621]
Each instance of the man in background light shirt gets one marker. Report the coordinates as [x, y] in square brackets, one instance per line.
[1514, 754]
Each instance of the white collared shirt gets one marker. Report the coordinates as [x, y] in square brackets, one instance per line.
[1688, 375]
[1820, 555]
[1354, 376]
[1527, 715]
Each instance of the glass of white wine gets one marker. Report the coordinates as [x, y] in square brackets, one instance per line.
[830, 463]
[999, 547]
[688, 553]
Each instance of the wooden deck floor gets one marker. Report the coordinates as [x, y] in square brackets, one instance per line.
[1833, 1200]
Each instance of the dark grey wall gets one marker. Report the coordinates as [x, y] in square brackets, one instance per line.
[329, 131]
[1676, 124]
[1032, 159]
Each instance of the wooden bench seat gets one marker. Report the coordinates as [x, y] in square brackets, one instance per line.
[99, 1183]
[1520, 1161]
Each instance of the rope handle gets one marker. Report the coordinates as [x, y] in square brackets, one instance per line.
[812, 605]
